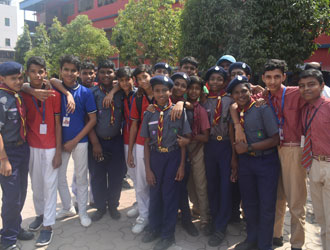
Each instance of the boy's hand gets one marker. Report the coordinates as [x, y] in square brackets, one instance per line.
[130, 160]
[260, 102]
[177, 110]
[241, 147]
[180, 173]
[151, 180]
[47, 84]
[97, 152]
[5, 167]
[239, 133]
[256, 89]
[182, 141]
[43, 94]
[69, 146]
[71, 106]
[57, 160]
[151, 108]
[107, 100]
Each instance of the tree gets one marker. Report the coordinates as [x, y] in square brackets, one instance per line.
[23, 45]
[252, 30]
[148, 29]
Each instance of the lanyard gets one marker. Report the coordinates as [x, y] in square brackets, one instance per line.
[308, 123]
[280, 121]
[43, 109]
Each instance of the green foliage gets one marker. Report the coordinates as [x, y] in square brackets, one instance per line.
[23, 45]
[148, 29]
[253, 30]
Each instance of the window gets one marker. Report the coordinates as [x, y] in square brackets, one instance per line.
[7, 21]
[104, 2]
[84, 5]
[8, 42]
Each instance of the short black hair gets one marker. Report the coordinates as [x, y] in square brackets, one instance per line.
[313, 65]
[317, 74]
[142, 68]
[70, 59]
[87, 64]
[124, 72]
[37, 60]
[273, 64]
[189, 59]
[196, 80]
[107, 63]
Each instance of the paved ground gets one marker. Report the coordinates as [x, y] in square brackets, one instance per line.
[108, 234]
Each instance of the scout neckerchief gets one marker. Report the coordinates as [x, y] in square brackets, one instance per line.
[243, 111]
[161, 121]
[196, 126]
[279, 115]
[20, 107]
[306, 159]
[112, 106]
[218, 108]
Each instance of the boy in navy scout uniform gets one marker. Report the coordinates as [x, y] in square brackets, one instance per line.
[259, 166]
[14, 155]
[164, 163]
[108, 146]
[218, 153]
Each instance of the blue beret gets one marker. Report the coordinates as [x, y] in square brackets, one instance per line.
[162, 65]
[181, 75]
[216, 69]
[237, 80]
[240, 65]
[228, 58]
[164, 80]
[10, 68]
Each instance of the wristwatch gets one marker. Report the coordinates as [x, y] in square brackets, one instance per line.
[250, 149]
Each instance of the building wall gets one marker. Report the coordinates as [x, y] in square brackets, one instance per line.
[9, 32]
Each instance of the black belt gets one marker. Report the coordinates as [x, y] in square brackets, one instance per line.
[219, 137]
[15, 144]
[164, 149]
[262, 153]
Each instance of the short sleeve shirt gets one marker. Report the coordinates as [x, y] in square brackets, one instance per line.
[170, 128]
[85, 104]
[103, 126]
[221, 129]
[10, 120]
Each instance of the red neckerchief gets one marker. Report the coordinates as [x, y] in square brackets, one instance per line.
[20, 107]
[112, 106]
[161, 121]
[196, 124]
[175, 100]
[242, 111]
[218, 108]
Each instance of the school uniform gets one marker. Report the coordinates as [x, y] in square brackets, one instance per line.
[108, 174]
[14, 187]
[316, 157]
[258, 177]
[217, 156]
[164, 163]
[41, 137]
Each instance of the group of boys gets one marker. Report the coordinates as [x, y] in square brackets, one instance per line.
[223, 144]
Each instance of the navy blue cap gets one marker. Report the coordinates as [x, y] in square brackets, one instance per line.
[10, 68]
[162, 65]
[240, 65]
[216, 69]
[181, 75]
[228, 58]
[164, 80]
[237, 80]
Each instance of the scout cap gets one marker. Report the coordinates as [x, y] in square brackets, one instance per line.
[237, 80]
[164, 80]
[240, 65]
[181, 75]
[10, 68]
[216, 69]
[162, 65]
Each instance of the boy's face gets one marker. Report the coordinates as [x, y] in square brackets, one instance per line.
[189, 69]
[241, 94]
[161, 72]
[238, 72]
[161, 94]
[69, 73]
[106, 76]
[216, 82]
[143, 80]
[14, 82]
[179, 88]
[310, 88]
[126, 83]
[273, 79]
[37, 74]
[87, 76]
[225, 64]
[194, 91]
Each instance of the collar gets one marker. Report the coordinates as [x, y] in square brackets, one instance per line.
[279, 93]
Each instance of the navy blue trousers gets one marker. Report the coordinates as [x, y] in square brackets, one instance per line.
[164, 196]
[258, 178]
[107, 175]
[236, 201]
[217, 156]
[183, 200]
[14, 189]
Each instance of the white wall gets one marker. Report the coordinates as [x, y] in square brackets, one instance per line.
[10, 32]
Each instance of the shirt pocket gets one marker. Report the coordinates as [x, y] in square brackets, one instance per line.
[174, 128]
[153, 129]
[12, 114]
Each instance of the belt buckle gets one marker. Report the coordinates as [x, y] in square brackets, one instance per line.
[252, 153]
[322, 158]
[108, 138]
[219, 138]
[19, 143]
[163, 150]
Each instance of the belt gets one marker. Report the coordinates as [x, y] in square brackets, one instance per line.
[164, 149]
[322, 158]
[16, 143]
[219, 137]
[109, 138]
[262, 153]
[290, 144]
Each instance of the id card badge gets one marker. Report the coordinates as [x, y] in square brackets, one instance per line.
[281, 134]
[43, 129]
[66, 121]
[302, 141]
